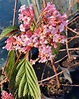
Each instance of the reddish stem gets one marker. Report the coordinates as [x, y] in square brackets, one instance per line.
[27, 56]
[44, 3]
[77, 0]
[53, 66]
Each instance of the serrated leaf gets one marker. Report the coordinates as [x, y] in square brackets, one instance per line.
[26, 81]
[21, 86]
[10, 64]
[24, 92]
[31, 72]
[12, 84]
[20, 72]
[8, 30]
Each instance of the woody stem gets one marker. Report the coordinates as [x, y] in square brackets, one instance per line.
[53, 67]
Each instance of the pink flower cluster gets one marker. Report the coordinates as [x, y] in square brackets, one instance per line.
[26, 16]
[6, 95]
[45, 37]
[45, 53]
[52, 17]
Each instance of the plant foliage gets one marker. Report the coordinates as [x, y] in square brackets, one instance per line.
[26, 80]
[10, 64]
[23, 81]
[8, 30]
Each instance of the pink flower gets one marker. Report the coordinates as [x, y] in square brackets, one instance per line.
[62, 39]
[27, 20]
[56, 14]
[35, 40]
[22, 28]
[22, 8]
[31, 11]
[26, 16]
[27, 11]
[6, 95]
[51, 20]
[9, 43]
[25, 49]
[45, 34]
[59, 38]
[61, 27]
[56, 37]
[64, 17]
[45, 53]
[20, 17]
[23, 41]
[28, 33]
[48, 10]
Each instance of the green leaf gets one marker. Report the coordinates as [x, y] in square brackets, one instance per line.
[7, 31]
[12, 84]
[26, 81]
[73, 97]
[10, 64]
[10, 71]
[32, 26]
[56, 50]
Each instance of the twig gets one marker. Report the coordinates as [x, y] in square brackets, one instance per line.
[44, 3]
[43, 73]
[70, 6]
[37, 2]
[71, 38]
[18, 58]
[35, 8]
[17, 54]
[27, 55]
[60, 59]
[34, 61]
[76, 36]
[70, 49]
[72, 30]
[73, 13]
[70, 85]
[73, 20]
[52, 1]
[77, 0]
[67, 45]
[57, 80]
[3, 81]
[48, 78]
[59, 2]
[14, 16]
[3, 68]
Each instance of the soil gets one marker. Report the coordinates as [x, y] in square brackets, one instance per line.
[70, 62]
[67, 63]
[50, 88]
[74, 57]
